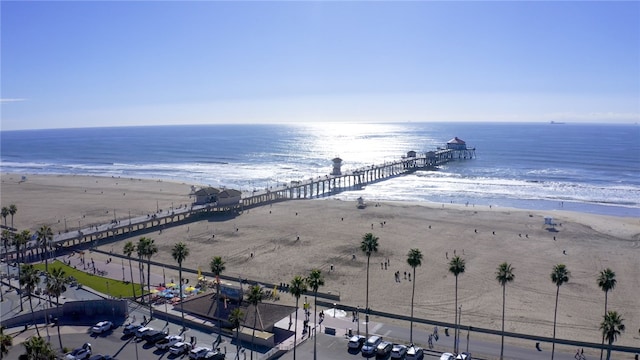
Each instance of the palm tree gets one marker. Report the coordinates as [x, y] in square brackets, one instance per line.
[235, 318]
[606, 281]
[29, 280]
[56, 285]
[217, 267]
[254, 297]
[414, 259]
[368, 245]
[559, 276]
[20, 241]
[128, 249]
[504, 275]
[38, 349]
[456, 267]
[44, 236]
[611, 327]
[5, 213]
[297, 288]
[179, 254]
[6, 341]
[314, 281]
[148, 248]
[12, 211]
[7, 238]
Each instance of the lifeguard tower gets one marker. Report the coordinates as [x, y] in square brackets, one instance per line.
[337, 164]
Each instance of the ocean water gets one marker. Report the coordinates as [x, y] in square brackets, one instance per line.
[579, 167]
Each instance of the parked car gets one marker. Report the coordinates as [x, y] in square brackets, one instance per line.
[140, 332]
[180, 348]
[214, 355]
[356, 341]
[153, 336]
[81, 353]
[447, 356]
[384, 348]
[463, 356]
[198, 353]
[101, 357]
[369, 347]
[168, 342]
[415, 353]
[101, 327]
[398, 351]
[131, 329]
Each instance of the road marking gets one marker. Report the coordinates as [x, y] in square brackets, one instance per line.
[376, 328]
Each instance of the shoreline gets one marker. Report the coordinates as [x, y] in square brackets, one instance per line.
[290, 238]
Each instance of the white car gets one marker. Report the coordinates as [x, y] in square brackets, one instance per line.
[199, 352]
[447, 356]
[356, 342]
[80, 353]
[463, 356]
[140, 332]
[101, 327]
[168, 342]
[370, 346]
[415, 353]
[398, 351]
[180, 348]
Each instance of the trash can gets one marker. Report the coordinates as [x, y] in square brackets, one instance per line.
[350, 332]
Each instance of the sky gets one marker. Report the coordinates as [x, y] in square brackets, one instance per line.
[124, 63]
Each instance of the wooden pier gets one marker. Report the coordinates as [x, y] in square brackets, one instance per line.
[304, 189]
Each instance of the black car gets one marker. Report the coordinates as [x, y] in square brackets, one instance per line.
[214, 355]
[153, 336]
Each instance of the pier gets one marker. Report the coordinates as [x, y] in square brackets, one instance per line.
[321, 186]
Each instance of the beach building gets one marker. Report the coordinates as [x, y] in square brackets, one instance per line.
[337, 164]
[460, 149]
[206, 195]
[229, 197]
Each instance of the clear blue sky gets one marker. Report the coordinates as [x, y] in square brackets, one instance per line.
[79, 64]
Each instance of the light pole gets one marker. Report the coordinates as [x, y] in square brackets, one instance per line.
[358, 318]
[457, 347]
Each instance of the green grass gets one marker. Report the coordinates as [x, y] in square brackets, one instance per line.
[115, 288]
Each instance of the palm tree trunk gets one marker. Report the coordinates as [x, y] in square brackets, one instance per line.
[58, 322]
[315, 323]
[238, 343]
[455, 331]
[555, 313]
[253, 337]
[20, 298]
[218, 308]
[413, 292]
[502, 333]
[149, 287]
[605, 313]
[133, 284]
[609, 350]
[32, 318]
[181, 299]
[295, 331]
[366, 310]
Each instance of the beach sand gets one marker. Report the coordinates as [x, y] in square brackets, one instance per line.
[290, 238]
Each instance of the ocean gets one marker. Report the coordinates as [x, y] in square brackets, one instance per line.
[591, 168]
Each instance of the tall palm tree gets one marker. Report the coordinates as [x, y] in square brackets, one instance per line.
[217, 266]
[5, 213]
[456, 267]
[129, 249]
[504, 275]
[57, 284]
[314, 281]
[6, 341]
[414, 259]
[611, 327]
[297, 287]
[45, 236]
[235, 318]
[254, 297]
[12, 211]
[368, 245]
[29, 280]
[7, 238]
[38, 349]
[606, 281]
[20, 241]
[179, 254]
[149, 248]
[559, 276]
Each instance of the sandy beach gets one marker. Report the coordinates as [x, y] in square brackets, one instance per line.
[291, 238]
